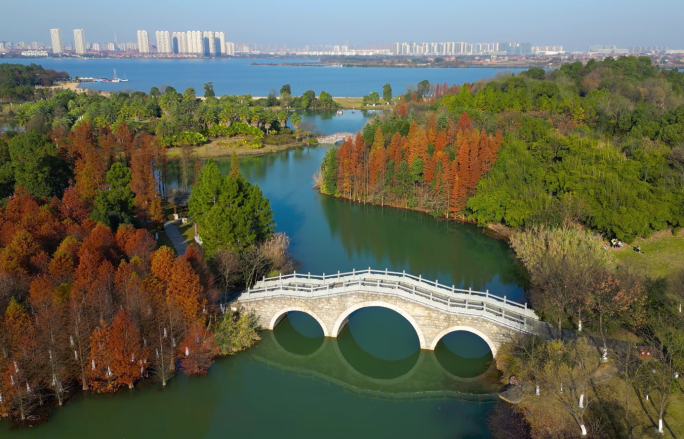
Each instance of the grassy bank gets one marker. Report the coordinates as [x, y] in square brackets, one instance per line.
[213, 150]
[662, 254]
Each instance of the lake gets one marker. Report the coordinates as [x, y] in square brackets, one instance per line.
[371, 382]
[237, 76]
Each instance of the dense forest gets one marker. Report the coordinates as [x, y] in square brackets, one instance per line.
[18, 82]
[601, 143]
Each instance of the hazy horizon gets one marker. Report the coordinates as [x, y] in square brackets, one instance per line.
[574, 25]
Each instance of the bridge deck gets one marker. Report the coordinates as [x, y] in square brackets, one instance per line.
[416, 289]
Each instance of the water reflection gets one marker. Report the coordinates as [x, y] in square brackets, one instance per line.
[454, 253]
[299, 334]
[379, 343]
[329, 122]
[464, 354]
[390, 362]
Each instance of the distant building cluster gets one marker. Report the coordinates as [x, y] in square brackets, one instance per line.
[609, 50]
[213, 43]
[647, 49]
[463, 49]
[203, 43]
[207, 43]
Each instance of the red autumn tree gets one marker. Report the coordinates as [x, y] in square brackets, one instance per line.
[123, 234]
[185, 290]
[141, 244]
[198, 350]
[127, 358]
[98, 365]
[143, 181]
[62, 268]
[161, 263]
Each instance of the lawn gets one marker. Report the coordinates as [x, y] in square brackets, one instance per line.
[225, 148]
[349, 103]
[188, 231]
[663, 254]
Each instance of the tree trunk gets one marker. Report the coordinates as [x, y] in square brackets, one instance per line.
[603, 337]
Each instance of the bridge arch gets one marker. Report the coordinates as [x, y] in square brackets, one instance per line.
[482, 335]
[342, 319]
[280, 315]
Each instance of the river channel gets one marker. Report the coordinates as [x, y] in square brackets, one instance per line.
[371, 382]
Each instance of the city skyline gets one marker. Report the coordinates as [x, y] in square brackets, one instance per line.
[213, 43]
[631, 23]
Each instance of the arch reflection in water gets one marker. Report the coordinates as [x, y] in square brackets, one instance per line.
[463, 354]
[299, 334]
[341, 361]
[379, 343]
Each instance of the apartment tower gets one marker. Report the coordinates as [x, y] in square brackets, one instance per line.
[56, 35]
[164, 41]
[80, 42]
[143, 42]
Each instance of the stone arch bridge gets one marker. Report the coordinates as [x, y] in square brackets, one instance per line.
[433, 309]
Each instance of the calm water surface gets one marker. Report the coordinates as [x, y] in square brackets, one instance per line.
[237, 76]
[371, 382]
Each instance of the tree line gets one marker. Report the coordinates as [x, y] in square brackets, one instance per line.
[177, 119]
[434, 168]
[18, 82]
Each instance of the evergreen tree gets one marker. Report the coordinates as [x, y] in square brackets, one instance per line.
[387, 92]
[329, 172]
[229, 211]
[116, 205]
[37, 165]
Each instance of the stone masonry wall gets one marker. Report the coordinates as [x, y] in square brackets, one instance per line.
[331, 313]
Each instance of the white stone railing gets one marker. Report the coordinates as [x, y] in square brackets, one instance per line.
[413, 288]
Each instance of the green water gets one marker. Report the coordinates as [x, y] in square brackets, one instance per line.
[371, 382]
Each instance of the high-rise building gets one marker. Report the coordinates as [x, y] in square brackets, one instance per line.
[56, 36]
[80, 42]
[221, 46]
[209, 43]
[230, 49]
[164, 41]
[179, 42]
[195, 42]
[96, 47]
[143, 42]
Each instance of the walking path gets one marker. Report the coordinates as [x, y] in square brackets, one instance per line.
[175, 236]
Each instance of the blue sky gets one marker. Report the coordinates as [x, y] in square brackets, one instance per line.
[573, 24]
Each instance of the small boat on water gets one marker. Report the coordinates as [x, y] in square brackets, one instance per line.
[115, 79]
